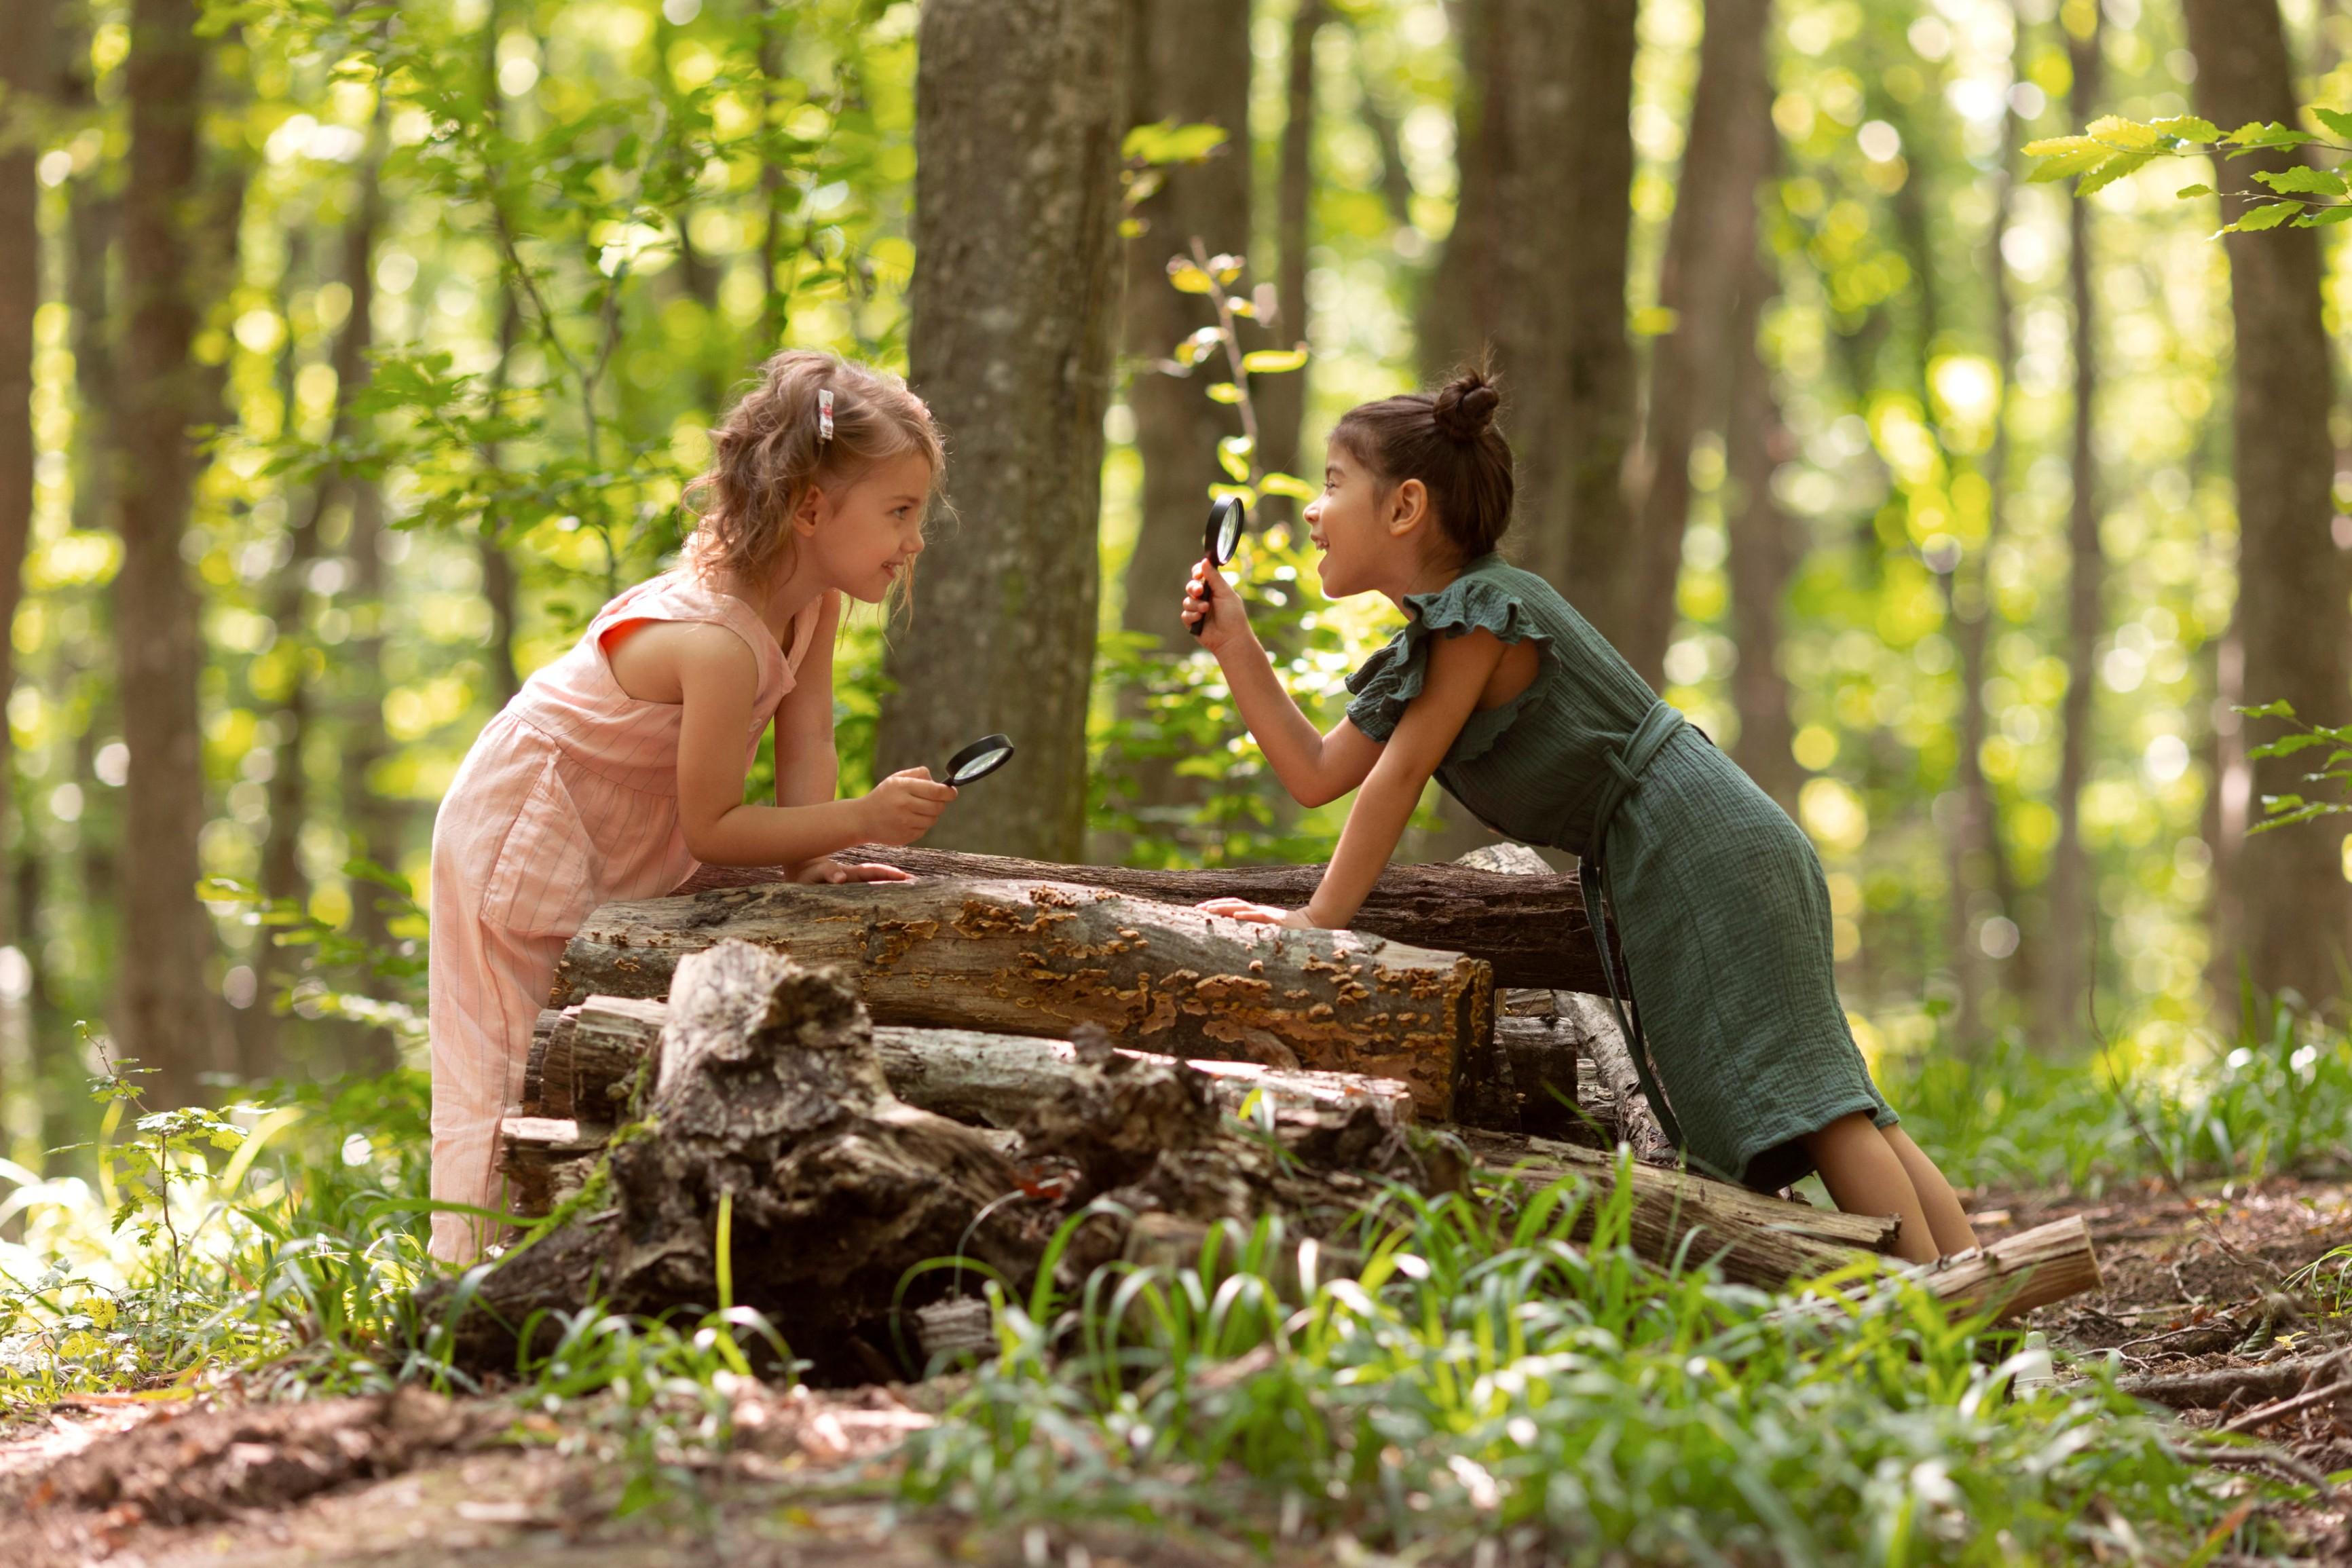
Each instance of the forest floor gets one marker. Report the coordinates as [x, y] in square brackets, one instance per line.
[414, 1479]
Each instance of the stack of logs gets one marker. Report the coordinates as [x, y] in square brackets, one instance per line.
[1031, 1009]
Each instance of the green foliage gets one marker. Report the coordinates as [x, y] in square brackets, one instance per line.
[1485, 1377]
[2114, 147]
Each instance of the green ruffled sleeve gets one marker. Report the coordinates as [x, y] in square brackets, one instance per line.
[1388, 680]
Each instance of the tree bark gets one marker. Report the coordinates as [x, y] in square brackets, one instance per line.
[1281, 399]
[1765, 547]
[584, 1059]
[1039, 958]
[1188, 60]
[1534, 269]
[1019, 115]
[1710, 253]
[2292, 581]
[165, 1012]
[1533, 931]
[2066, 946]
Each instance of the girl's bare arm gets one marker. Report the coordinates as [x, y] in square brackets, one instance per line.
[1313, 767]
[808, 768]
[718, 682]
[1459, 669]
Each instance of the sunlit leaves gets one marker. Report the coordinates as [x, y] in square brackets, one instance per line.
[1172, 142]
[1271, 362]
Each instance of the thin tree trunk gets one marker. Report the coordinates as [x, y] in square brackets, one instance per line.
[501, 582]
[165, 1012]
[25, 80]
[1019, 109]
[1711, 248]
[1281, 399]
[1188, 60]
[2292, 581]
[1764, 552]
[1396, 180]
[2067, 945]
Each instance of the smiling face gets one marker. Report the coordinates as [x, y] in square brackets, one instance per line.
[862, 538]
[1370, 535]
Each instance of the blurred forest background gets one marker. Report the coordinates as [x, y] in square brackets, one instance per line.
[1939, 498]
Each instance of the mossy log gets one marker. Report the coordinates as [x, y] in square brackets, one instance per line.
[1041, 958]
[1532, 929]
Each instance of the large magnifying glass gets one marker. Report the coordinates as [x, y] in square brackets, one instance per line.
[1223, 537]
[979, 759]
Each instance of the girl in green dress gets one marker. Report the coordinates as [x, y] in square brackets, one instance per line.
[1534, 722]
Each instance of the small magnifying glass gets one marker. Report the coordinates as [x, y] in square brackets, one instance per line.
[1222, 536]
[979, 759]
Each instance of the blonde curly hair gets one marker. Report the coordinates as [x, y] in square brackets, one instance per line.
[770, 451]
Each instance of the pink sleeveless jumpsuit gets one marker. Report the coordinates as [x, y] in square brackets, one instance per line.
[567, 800]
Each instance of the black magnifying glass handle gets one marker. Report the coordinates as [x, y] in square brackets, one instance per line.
[1219, 541]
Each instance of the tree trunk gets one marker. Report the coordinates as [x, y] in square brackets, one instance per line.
[1765, 547]
[499, 578]
[1535, 268]
[1281, 399]
[289, 803]
[1533, 930]
[2066, 946]
[1710, 253]
[165, 1012]
[2292, 581]
[1039, 958]
[1188, 60]
[26, 81]
[1019, 115]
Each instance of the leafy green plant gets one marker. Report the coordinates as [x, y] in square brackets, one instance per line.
[2113, 147]
[1482, 1376]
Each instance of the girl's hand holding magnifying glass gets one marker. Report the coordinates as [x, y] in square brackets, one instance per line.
[1214, 611]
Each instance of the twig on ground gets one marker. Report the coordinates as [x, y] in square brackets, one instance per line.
[2270, 1413]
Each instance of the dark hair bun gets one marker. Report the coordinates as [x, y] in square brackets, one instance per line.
[1465, 407]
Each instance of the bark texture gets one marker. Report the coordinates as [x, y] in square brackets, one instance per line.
[2292, 589]
[584, 1059]
[1039, 958]
[1710, 255]
[1019, 114]
[1534, 932]
[165, 1012]
[1535, 268]
[1281, 399]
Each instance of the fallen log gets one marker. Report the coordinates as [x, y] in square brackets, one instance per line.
[963, 1073]
[2016, 1274]
[770, 1124]
[1039, 958]
[1580, 1023]
[1755, 1238]
[1532, 930]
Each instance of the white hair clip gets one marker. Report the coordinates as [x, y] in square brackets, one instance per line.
[824, 413]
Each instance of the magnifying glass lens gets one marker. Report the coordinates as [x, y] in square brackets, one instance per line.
[1225, 527]
[979, 759]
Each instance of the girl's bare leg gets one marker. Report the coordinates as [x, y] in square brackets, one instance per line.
[1865, 1176]
[1946, 1219]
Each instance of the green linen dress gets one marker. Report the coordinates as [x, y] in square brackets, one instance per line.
[1722, 910]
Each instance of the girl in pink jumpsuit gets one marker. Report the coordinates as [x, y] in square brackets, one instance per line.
[619, 766]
